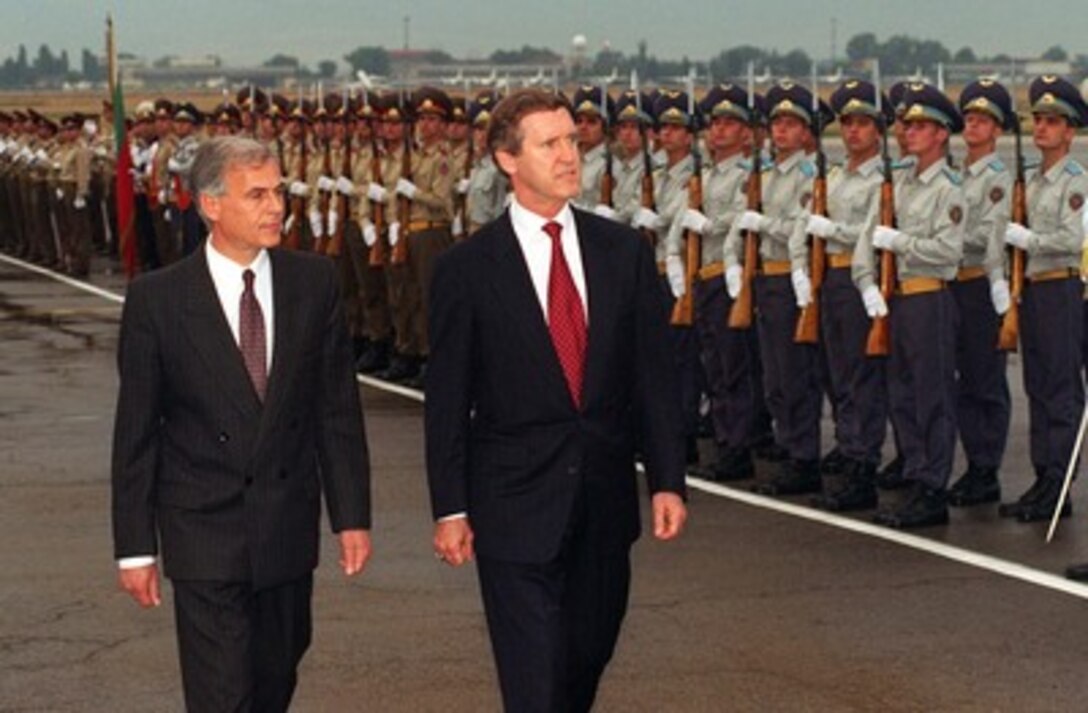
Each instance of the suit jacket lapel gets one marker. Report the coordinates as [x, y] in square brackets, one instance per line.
[211, 337]
[601, 295]
[285, 303]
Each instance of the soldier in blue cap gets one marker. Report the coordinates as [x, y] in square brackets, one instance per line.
[858, 388]
[487, 185]
[981, 291]
[928, 246]
[632, 120]
[790, 370]
[730, 357]
[592, 116]
[1050, 315]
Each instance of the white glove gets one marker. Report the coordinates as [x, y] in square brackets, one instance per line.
[605, 211]
[674, 271]
[394, 233]
[79, 203]
[695, 221]
[406, 188]
[376, 192]
[41, 156]
[884, 238]
[999, 294]
[802, 288]
[90, 128]
[457, 229]
[333, 218]
[345, 186]
[326, 184]
[288, 223]
[875, 306]
[370, 235]
[646, 218]
[1017, 236]
[60, 194]
[162, 195]
[315, 224]
[298, 189]
[100, 151]
[734, 280]
[166, 215]
[462, 186]
[821, 227]
[172, 165]
[752, 220]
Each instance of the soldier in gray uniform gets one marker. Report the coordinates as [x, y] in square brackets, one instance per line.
[592, 112]
[983, 404]
[790, 370]
[632, 120]
[1051, 323]
[487, 186]
[858, 388]
[928, 246]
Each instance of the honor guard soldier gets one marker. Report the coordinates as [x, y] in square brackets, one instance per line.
[43, 177]
[790, 370]
[460, 159]
[1051, 322]
[927, 246]
[185, 219]
[592, 112]
[632, 121]
[298, 155]
[487, 186]
[103, 176]
[981, 291]
[72, 192]
[730, 357]
[857, 386]
[159, 189]
[8, 239]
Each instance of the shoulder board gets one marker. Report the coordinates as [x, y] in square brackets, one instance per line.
[808, 168]
[902, 164]
[767, 165]
[1073, 168]
[997, 165]
[745, 164]
[953, 176]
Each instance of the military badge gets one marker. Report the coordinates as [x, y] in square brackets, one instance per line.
[997, 194]
[955, 214]
[805, 198]
[1076, 201]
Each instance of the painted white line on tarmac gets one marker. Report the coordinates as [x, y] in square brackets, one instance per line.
[899, 537]
[70, 281]
[915, 542]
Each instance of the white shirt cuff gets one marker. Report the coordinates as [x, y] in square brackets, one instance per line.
[454, 516]
[135, 562]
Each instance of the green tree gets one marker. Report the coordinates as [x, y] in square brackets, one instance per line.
[373, 60]
[1055, 54]
[326, 69]
[965, 55]
[282, 60]
[863, 46]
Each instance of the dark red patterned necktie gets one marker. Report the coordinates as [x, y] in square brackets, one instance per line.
[251, 337]
[566, 317]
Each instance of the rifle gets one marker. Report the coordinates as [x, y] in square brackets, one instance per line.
[336, 240]
[646, 198]
[1009, 334]
[608, 181]
[683, 312]
[879, 340]
[740, 315]
[298, 203]
[404, 205]
[377, 208]
[808, 322]
[461, 199]
[324, 198]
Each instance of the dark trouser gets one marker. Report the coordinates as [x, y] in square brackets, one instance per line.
[791, 381]
[75, 228]
[685, 358]
[18, 224]
[1085, 339]
[375, 314]
[983, 405]
[147, 246]
[554, 625]
[347, 271]
[730, 359]
[423, 248]
[922, 383]
[1051, 327]
[858, 387]
[165, 234]
[240, 648]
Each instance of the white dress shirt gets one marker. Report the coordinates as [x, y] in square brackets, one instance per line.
[229, 285]
[536, 246]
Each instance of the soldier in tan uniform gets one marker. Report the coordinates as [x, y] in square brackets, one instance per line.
[72, 193]
[298, 154]
[159, 188]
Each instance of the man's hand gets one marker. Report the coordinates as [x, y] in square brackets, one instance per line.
[354, 551]
[453, 541]
[670, 513]
[142, 584]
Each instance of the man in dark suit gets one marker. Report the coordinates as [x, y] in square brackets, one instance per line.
[549, 367]
[237, 407]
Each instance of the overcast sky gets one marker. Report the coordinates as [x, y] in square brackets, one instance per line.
[250, 31]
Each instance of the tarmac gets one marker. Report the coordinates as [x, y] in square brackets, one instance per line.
[763, 605]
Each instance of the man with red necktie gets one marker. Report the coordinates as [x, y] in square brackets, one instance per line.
[549, 367]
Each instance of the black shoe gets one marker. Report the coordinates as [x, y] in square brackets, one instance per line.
[400, 369]
[1014, 508]
[857, 492]
[891, 477]
[795, 477]
[359, 346]
[833, 463]
[691, 451]
[733, 464]
[419, 380]
[925, 507]
[374, 359]
[1042, 506]
[771, 452]
[975, 487]
[1077, 572]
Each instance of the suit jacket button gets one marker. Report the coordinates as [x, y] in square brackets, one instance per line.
[249, 480]
[224, 437]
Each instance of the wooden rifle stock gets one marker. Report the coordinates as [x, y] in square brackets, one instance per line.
[404, 205]
[683, 312]
[808, 322]
[343, 204]
[740, 314]
[461, 199]
[879, 340]
[298, 203]
[377, 208]
[608, 182]
[1009, 334]
[324, 200]
[646, 185]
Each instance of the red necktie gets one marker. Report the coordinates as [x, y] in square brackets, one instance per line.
[251, 338]
[566, 317]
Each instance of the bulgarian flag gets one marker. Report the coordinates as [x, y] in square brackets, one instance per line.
[124, 190]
